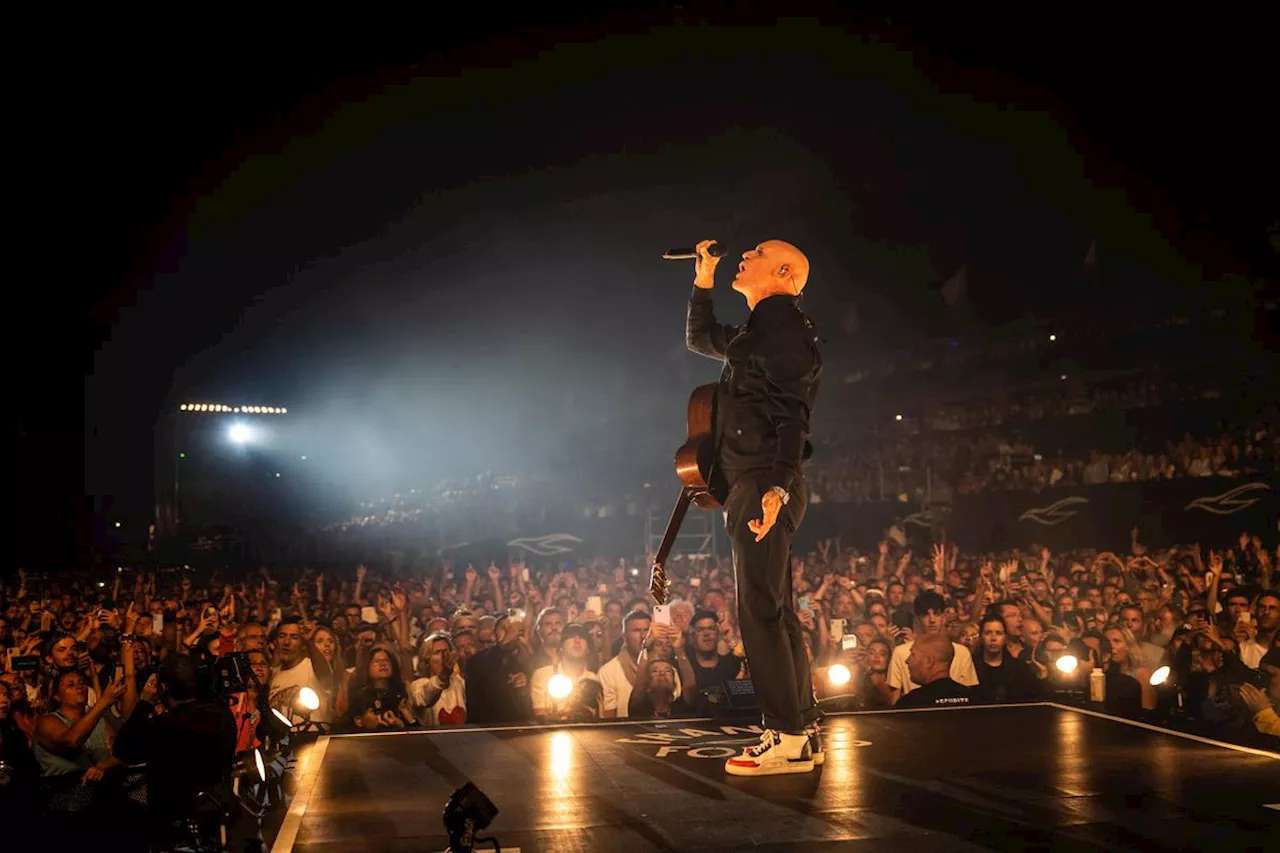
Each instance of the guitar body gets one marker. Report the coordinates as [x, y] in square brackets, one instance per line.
[695, 458]
[700, 483]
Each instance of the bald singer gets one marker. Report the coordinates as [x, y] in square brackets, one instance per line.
[767, 388]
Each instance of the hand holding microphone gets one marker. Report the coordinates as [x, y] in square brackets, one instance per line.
[707, 255]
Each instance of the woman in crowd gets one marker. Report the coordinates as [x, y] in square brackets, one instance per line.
[873, 689]
[329, 663]
[438, 696]
[245, 707]
[379, 697]
[1001, 676]
[1124, 653]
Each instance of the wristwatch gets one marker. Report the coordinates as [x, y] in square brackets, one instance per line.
[781, 493]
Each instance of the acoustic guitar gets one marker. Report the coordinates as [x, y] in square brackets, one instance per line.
[700, 484]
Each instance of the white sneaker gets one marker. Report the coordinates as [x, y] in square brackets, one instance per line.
[775, 754]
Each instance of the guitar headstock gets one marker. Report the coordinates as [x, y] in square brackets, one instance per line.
[658, 584]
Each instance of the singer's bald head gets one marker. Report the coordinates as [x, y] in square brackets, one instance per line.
[773, 267]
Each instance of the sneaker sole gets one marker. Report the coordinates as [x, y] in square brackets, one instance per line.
[773, 770]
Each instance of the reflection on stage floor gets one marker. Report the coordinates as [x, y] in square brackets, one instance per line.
[1012, 777]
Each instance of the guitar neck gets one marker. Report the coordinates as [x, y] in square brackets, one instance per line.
[658, 578]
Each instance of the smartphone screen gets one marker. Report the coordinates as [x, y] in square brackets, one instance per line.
[806, 603]
[837, 629]
[157, 623]
[594, 604]
[849, 642]
[525, 574]
[695, 581]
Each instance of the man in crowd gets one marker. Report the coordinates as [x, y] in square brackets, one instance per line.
[618, 676]
[1267, 619]
[929, 609]
[187, 749]
[497, 678]
[710, 668]
[293, 670]
[930, 664]
[658, 699]
[583, 701]
[1149, 654]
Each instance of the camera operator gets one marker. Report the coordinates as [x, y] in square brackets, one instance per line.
[188, 745]
[497, 678]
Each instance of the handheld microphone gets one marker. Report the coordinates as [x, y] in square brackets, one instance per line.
[715, 250]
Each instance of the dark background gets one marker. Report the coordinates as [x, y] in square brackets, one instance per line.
[331, 211]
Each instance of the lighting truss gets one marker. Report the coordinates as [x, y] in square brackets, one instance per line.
[215, 408]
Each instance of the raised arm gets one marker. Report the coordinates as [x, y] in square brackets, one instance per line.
[702, 333]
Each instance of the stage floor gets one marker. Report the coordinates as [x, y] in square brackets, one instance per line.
[1005, 777]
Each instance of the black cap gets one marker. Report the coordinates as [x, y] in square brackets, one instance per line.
[575, 630]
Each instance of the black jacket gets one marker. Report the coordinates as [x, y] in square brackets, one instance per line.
[767, 387]
[490, 696]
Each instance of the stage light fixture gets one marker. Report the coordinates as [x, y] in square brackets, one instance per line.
[897, 417]
[274, 729]
[1052, 338]
[1067, 664]
[1160, 676]
[467, 811]
[560, 686]
[308, 700]
[839, 675]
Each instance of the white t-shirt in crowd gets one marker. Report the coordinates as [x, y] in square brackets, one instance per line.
[302, 674]
[962, 670]
[451, 701]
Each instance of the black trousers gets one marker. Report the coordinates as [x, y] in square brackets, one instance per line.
[771, 631]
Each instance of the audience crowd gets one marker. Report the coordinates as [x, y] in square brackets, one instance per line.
[447, 645]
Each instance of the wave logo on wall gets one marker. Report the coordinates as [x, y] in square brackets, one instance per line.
[546, 546]
[1229, 503]
[1055, 513]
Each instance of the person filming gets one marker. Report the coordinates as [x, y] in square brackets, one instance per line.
[188, 745]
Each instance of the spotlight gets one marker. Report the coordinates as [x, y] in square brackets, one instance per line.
[897, 417]
[839, 675]
[274, 728]
[259, 765]
[1159, 677]
[1067, 664]
[560, 686]
[183, 407]
[1052, 338]
[308, 700]
[240, 433]
[467, 811]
